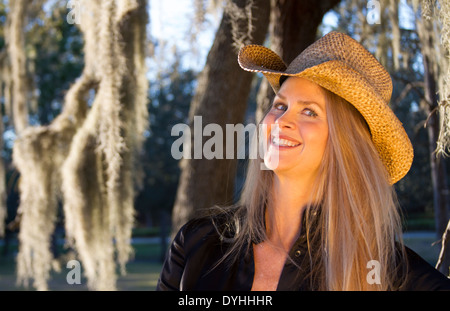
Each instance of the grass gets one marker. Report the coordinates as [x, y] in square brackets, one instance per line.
[141, 276]
[142, 272]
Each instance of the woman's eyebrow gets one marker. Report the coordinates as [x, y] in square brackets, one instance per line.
[306, 102]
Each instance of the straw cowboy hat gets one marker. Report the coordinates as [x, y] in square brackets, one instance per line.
[341, 65]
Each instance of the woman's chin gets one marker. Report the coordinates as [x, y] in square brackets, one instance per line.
[274, 164]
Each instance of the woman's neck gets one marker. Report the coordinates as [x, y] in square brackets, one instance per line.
[283, 218]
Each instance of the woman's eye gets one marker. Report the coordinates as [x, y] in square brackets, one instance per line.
[310, 113]
[279, 106]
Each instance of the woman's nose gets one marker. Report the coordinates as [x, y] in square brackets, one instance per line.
[286, 120]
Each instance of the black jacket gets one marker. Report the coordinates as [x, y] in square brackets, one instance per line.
[191, 264]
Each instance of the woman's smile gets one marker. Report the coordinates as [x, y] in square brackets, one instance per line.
[284, 142]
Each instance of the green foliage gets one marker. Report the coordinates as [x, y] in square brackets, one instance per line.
[56, 48]
[170, 97]
[146, 232]
[415, 190]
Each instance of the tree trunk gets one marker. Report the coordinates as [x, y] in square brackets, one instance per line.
[438, 167]
[221, 98]
[438, 170]
[293, 28]
[438, 175]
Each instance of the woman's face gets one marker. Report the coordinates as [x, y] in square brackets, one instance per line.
[298, 114]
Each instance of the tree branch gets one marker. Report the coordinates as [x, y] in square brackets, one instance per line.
[410, 86]
[444, 251]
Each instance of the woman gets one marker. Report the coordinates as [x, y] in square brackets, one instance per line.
[324, 215]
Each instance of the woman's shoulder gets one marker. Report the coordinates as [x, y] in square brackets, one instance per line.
[422, 276]
[197, 224]
[218, 224]
[195, 228]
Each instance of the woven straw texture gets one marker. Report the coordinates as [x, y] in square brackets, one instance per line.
[343, 66]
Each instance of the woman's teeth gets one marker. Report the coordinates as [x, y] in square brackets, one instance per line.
[283, 142]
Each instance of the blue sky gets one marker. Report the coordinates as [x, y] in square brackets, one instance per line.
[171, 21]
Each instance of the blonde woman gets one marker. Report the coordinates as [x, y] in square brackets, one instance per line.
[324, 215]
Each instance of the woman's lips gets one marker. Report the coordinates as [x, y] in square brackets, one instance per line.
[284, 142]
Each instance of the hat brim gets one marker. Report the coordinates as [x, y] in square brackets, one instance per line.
[388, 134]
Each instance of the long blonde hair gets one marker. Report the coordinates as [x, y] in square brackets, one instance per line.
[357, 219]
